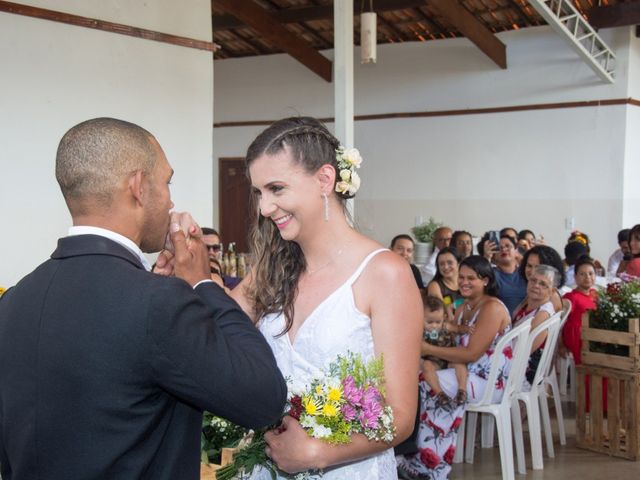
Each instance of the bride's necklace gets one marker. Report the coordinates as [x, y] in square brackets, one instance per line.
[311, 271]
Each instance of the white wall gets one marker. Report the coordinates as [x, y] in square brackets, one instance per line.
[524, 169]
[631, 203]
[55, 76]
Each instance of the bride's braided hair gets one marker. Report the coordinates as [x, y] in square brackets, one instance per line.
[277, 263]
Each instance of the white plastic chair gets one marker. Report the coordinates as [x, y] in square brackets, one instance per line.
[500, 410]
[535, 398]
[567, 369]
[551, 379]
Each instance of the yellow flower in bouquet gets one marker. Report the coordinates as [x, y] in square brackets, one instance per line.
[2, 290]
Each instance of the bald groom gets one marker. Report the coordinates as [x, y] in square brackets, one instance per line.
[106, 368]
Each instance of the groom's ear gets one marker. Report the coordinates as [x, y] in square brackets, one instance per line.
[136, 187]
[326, 176]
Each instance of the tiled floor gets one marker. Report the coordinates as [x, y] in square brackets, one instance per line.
[569, 463]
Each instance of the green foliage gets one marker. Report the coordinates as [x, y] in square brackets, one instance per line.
[424, 232]
[247, 459]
[218, 433]
[371, 373]
[616, 304]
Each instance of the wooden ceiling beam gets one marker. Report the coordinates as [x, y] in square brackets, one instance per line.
[263, 22]
[619, 15]
[473, 29]
[308, 14]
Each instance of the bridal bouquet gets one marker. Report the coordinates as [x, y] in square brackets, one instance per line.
[347, 399]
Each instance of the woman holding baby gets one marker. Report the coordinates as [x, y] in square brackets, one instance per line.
[488, 318]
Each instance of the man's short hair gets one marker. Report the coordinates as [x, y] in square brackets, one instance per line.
[402, 236]
[623, 235]
[210, 231]
[95, 155]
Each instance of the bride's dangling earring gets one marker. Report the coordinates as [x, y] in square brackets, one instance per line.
[325, 198]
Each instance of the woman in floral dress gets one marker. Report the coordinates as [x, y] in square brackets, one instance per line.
[439, 423]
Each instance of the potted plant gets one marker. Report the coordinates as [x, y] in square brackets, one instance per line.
[423, 234]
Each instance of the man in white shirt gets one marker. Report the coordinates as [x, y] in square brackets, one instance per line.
[441, 239]
[620, 254]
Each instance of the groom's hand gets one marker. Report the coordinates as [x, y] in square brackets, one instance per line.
[187, 224]
[191, 260]
[164, 264]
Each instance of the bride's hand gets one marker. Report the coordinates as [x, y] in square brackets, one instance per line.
[291, 449]
[188, 226]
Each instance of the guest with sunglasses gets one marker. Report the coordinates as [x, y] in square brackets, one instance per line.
[211, 239]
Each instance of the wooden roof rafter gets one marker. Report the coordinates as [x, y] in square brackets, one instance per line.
[267, 25]
[389, 25]
[620, 15]
[440, 30]
[473, 29]
[526, 17]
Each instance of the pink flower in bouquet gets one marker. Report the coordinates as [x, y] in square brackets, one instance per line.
[369, 417]
[371, 395]
[352, 393]
[348, 412]
[371, 411]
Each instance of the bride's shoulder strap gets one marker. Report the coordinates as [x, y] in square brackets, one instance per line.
[364, 264]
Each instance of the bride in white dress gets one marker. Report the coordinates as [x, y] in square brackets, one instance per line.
[318, 288]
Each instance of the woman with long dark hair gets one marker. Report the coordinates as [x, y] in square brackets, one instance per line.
[445, 283]
[489, 320]
[319, 289]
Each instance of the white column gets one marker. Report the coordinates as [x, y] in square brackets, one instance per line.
[343, 70]
[343, 73]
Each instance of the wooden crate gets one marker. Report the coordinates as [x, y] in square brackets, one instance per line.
[208, 472]
[630, 339]
[614, 432]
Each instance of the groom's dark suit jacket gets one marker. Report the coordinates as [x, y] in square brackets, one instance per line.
[105, 368]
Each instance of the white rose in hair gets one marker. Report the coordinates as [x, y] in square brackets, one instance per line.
[342, 187]
[345, 174]
[352, 156]
[355, 183]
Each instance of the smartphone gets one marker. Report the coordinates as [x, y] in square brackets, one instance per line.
[494, 236]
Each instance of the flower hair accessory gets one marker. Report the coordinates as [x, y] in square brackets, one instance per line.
[348, 160]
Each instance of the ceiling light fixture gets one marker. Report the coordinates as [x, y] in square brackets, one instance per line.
[368, 34]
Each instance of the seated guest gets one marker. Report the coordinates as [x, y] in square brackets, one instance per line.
[512, 288]
[582, 298]
[441, 239]
[488, 246]
[578, 236]
[544, 255]
[572, 252]
[510, 232]
[462, 241]
[621, 256]
[543, 281]
[528, 236]
[526, 241]
[211, 239]
[403, 245]
[633, 267]
[439, 426]
[445, 283]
